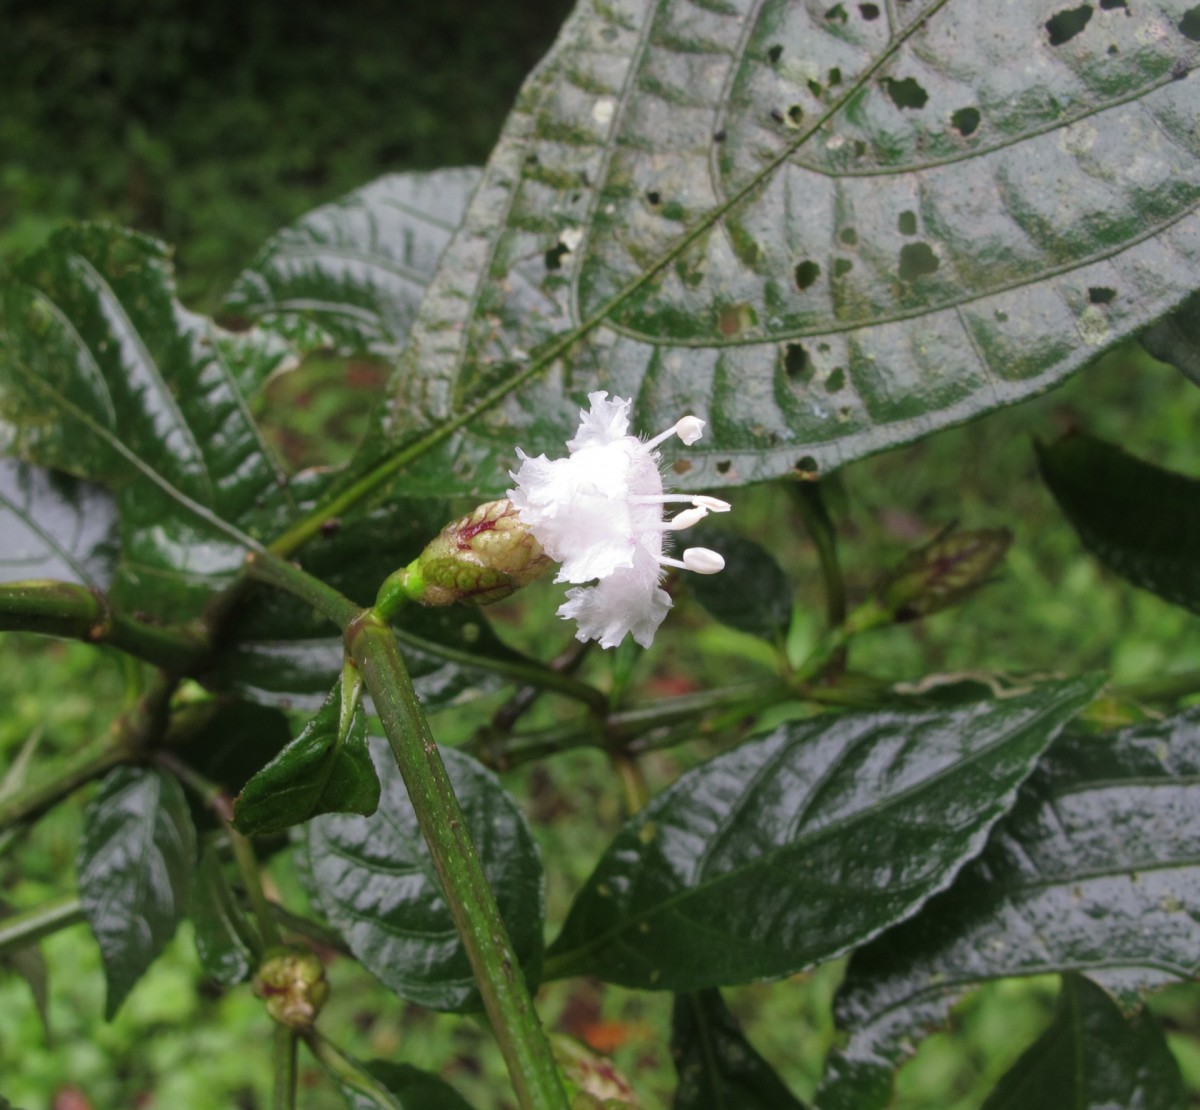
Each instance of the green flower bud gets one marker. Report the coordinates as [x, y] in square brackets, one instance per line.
[481, 558]
[292, 982]
[942, 573]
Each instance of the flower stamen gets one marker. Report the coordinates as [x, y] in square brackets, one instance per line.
[700, 560]
[599, 514]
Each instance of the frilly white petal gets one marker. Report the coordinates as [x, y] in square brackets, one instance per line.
[621, 604]
[599, 513]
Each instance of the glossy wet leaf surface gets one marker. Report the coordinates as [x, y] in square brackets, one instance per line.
[135, 868]
[1138, 519]
[718, 1068]
[1097, 869]
[827, 229]
[106, 376]
[769, 859]
[219, 926]
[326, 769]
[54, 526]
[349, 276]
[374, 880]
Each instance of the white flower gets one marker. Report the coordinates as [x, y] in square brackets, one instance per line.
[599, 512]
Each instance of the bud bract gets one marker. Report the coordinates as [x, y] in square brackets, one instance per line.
[943, 572]
[477, 559]
[292, 983]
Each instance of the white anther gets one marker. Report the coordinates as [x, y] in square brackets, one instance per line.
[702, 560]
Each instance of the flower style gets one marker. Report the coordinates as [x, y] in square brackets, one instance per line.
[599, 512]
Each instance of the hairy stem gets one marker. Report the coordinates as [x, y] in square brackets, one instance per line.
[285, 1069]
[506, 998]
[268, 568]
[77, 613]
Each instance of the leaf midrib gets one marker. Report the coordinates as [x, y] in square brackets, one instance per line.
[630, 921]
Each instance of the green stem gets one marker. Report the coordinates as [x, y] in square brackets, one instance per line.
[218, 800]
[314, 931]
[811, 504]
[544, 678]
[285, 1069]
[128, 738]
[870, 614]
[627, 729]
[23, 929]
[266, 567]
[247, 865]
[77, 613]
[498, 975]
[348, 1072]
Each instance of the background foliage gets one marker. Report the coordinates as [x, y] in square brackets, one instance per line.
[155, 117]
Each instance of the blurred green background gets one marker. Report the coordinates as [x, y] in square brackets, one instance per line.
[211, 125]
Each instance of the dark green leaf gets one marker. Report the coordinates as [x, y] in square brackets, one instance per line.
[1094, 870]
[1176, 338]
[752, 595]
[350, 275]
[718, 1068]
[374, 880]
[770, 858]
[228, 742]
[221, 929]
[827, 236]
[105, 375]
[412, 1089]
[326, 769]
[285, 653]
[1093, 1058]
[136, 861]
[54, 526]
[1142, 521]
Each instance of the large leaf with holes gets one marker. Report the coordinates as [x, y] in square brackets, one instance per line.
[136, 862]
[375, 881]
[826, 227]
[350, 275]
[105, 375]
[770, 858]
[1092, 1056]
[1139, 519]
[1097, 869]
